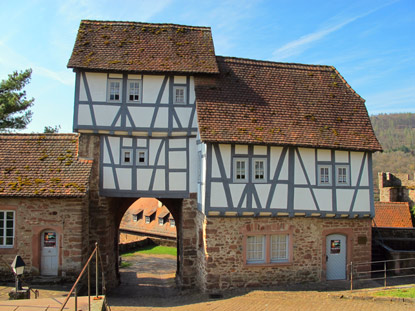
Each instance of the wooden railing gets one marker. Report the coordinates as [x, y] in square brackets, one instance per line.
[86, 268]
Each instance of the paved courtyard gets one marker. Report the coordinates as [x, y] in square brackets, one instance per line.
[148, 284]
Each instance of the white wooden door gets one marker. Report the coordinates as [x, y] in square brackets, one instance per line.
[336, 257]
[50, 252]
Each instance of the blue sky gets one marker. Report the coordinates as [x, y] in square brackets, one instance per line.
[371, 43]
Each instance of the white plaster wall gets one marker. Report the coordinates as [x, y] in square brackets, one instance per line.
[263, 192]
[84, 115]
[236, 193]
[217, 195]
[97, 83]
[178, 143]
[280, 197]
[344, 199]
[299, 177]
[82, 90]
[356, 161]
[159, 180]
[177, 181]
[142, 116]
[180, 79]
[193, 162]
[151, 89]
[215, 166]
[241, 149]
[260, 150]
[362, 203]
[143, 178]
[303, 199]
[323, 155]
[225, 151]
[177, 160]
[192, 96]
[365, 176]
[162, 118]
[274, 158]
[309, 160]
[324, 199]
[114, 144]
[153, 149]
[127, 142]
[184, 115]
[108, 178]
[105, 115]
[341, 156]
[124, 178]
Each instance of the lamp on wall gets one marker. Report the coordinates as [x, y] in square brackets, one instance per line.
[18, 269]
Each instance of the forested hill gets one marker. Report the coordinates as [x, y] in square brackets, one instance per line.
[396, 134]
[396, 131]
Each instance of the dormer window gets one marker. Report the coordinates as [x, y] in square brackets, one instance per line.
[114, 90]
[179, 94]
[138, 216]
[133, 91]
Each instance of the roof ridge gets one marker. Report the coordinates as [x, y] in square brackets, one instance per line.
[269, 63]
[88, 21]
[49, 136]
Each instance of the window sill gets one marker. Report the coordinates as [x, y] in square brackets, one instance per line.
[268, 264]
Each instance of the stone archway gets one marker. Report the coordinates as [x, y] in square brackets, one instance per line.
[105, 214]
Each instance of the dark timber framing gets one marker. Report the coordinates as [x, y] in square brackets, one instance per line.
[288, 156]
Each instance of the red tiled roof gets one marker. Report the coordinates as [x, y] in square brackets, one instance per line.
[42, 165]
[263, 102]
[143, 47]
[392, 215]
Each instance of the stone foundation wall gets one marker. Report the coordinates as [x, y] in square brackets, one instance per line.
[224, 253]
[68, 217]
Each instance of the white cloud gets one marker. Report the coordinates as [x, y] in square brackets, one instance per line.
[299, 45]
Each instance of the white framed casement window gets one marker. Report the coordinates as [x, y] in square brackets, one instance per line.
[142, 158]
[259, 169]
[126, 156]
[240, 170]
[7, 224]
[342, 175]
[114, 90]
[148, 219]
[324, 175]
[172, 222]
[133, 91]
[255, 249]
[279, 248]
[179, 94]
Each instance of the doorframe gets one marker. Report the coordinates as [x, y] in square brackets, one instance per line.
[349, 234]
[37, 245]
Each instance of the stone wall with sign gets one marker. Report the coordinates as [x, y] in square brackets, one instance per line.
[53, 223]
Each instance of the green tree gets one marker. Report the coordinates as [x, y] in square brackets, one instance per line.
[14, 113]
[51, 129]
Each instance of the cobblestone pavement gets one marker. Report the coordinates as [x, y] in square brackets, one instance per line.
[149, 285]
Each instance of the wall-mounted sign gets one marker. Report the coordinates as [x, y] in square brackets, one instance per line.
[334, 246]
[49, 239]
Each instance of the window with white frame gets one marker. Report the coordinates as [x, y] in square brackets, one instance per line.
[133, 91]
[172, 222]
[268, 248]
[255, 249]
[142, 157]
[240, 168]
[324, 175]
[7, 228]
[259, 170]
[179, 94]
[279, 248]
[114, 90]
[127, 157]
[342, 177]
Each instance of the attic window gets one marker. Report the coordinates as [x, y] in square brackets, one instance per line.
[324, 175]
[240, 170]
[114, 90]
[133, 91]
[142, 157]
[179, 94]
[138, 216]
